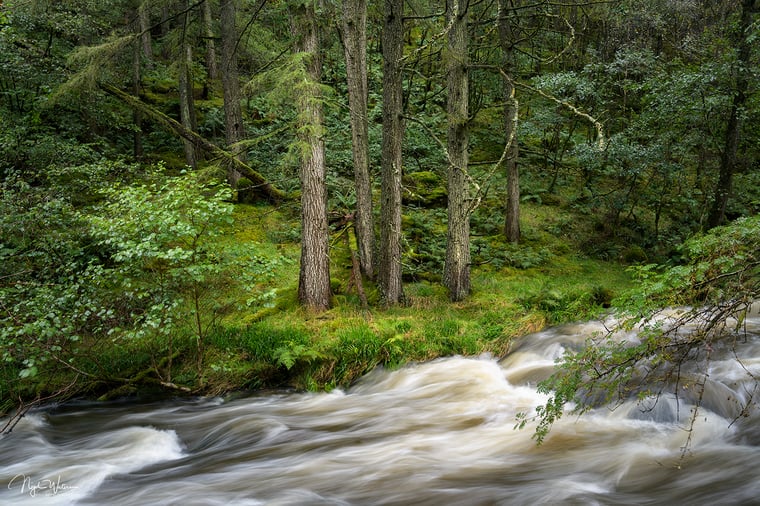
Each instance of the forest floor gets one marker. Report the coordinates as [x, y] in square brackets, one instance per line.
[252, 334]
[279, 344]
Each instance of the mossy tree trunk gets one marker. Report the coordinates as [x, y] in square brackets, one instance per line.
[145, 37]
[185, 85]
[314, 276]
[212, 68]
[456, 275]
[262, 187]
[234, 131]
[137, 140]
[355, 50]
[391, 167]
[507, 40]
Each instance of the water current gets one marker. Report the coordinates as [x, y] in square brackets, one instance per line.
[438, 433]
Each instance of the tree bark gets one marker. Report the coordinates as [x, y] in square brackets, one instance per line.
[314, 276]
[185, 84]
[136, 114]
[355, 49]
[393, 131]
[145, 39]
[512, 211]
[212, 69]
[234, 130]
[728, 159]
[456, 274]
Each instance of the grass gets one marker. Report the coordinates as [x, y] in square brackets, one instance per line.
[283, 345]
[276, 343]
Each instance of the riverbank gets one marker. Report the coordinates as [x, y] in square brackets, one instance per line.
[254, 335]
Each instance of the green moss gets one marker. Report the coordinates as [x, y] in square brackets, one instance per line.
[424, 189]
[634, 255]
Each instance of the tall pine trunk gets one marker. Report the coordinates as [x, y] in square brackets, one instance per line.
[145, 38]
[314, 276]
[512, 212]
[137, 115]
[212, 69]
[234, 130]
[393, 131]
[355, 49]
[456, 275]
[185, 85]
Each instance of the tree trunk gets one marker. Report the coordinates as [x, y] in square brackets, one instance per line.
[456, 274]
[728, 159]
[393, 131]
[234, 130]
[314, 277]
[136, 114]
[512, 213]
[185, 84]
[165, 21]
[355, 49]
[212, 70]
[147, 46]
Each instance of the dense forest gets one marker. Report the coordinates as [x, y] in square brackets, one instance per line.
[206, 195]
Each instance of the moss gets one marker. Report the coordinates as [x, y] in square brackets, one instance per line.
[425, 189]
[634, 255]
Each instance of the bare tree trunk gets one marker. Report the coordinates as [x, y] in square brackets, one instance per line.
[185, 84]
[512, 214]
[393, 131]
[212, 70]
[165, 27]
[234, 130]
[456, 274]
[728, 159]
[136, 114]
[355, 49]
[314, 277]
[144, 16]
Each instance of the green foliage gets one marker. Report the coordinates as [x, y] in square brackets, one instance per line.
[159, 237]
[45, 291]
[359, 351]
[561, 305]
[165, 257]
[142, 263]
[426, 244]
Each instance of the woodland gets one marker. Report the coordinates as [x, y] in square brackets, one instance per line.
[205, 196]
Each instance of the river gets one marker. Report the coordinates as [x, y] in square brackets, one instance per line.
[438, 433]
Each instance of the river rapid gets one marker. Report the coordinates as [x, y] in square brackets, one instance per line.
[438, 433]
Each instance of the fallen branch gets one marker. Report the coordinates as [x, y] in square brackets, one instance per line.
[260, 185]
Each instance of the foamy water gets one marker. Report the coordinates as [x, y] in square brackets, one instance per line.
[434, 433]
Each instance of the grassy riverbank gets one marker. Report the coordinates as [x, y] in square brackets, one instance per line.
[253, 334]
[278, 344]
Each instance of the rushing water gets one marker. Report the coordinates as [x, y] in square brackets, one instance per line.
[439, 433]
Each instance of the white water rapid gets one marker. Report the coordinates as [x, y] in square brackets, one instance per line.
[440, 433]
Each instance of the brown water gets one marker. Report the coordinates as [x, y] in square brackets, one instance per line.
[439, 433]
